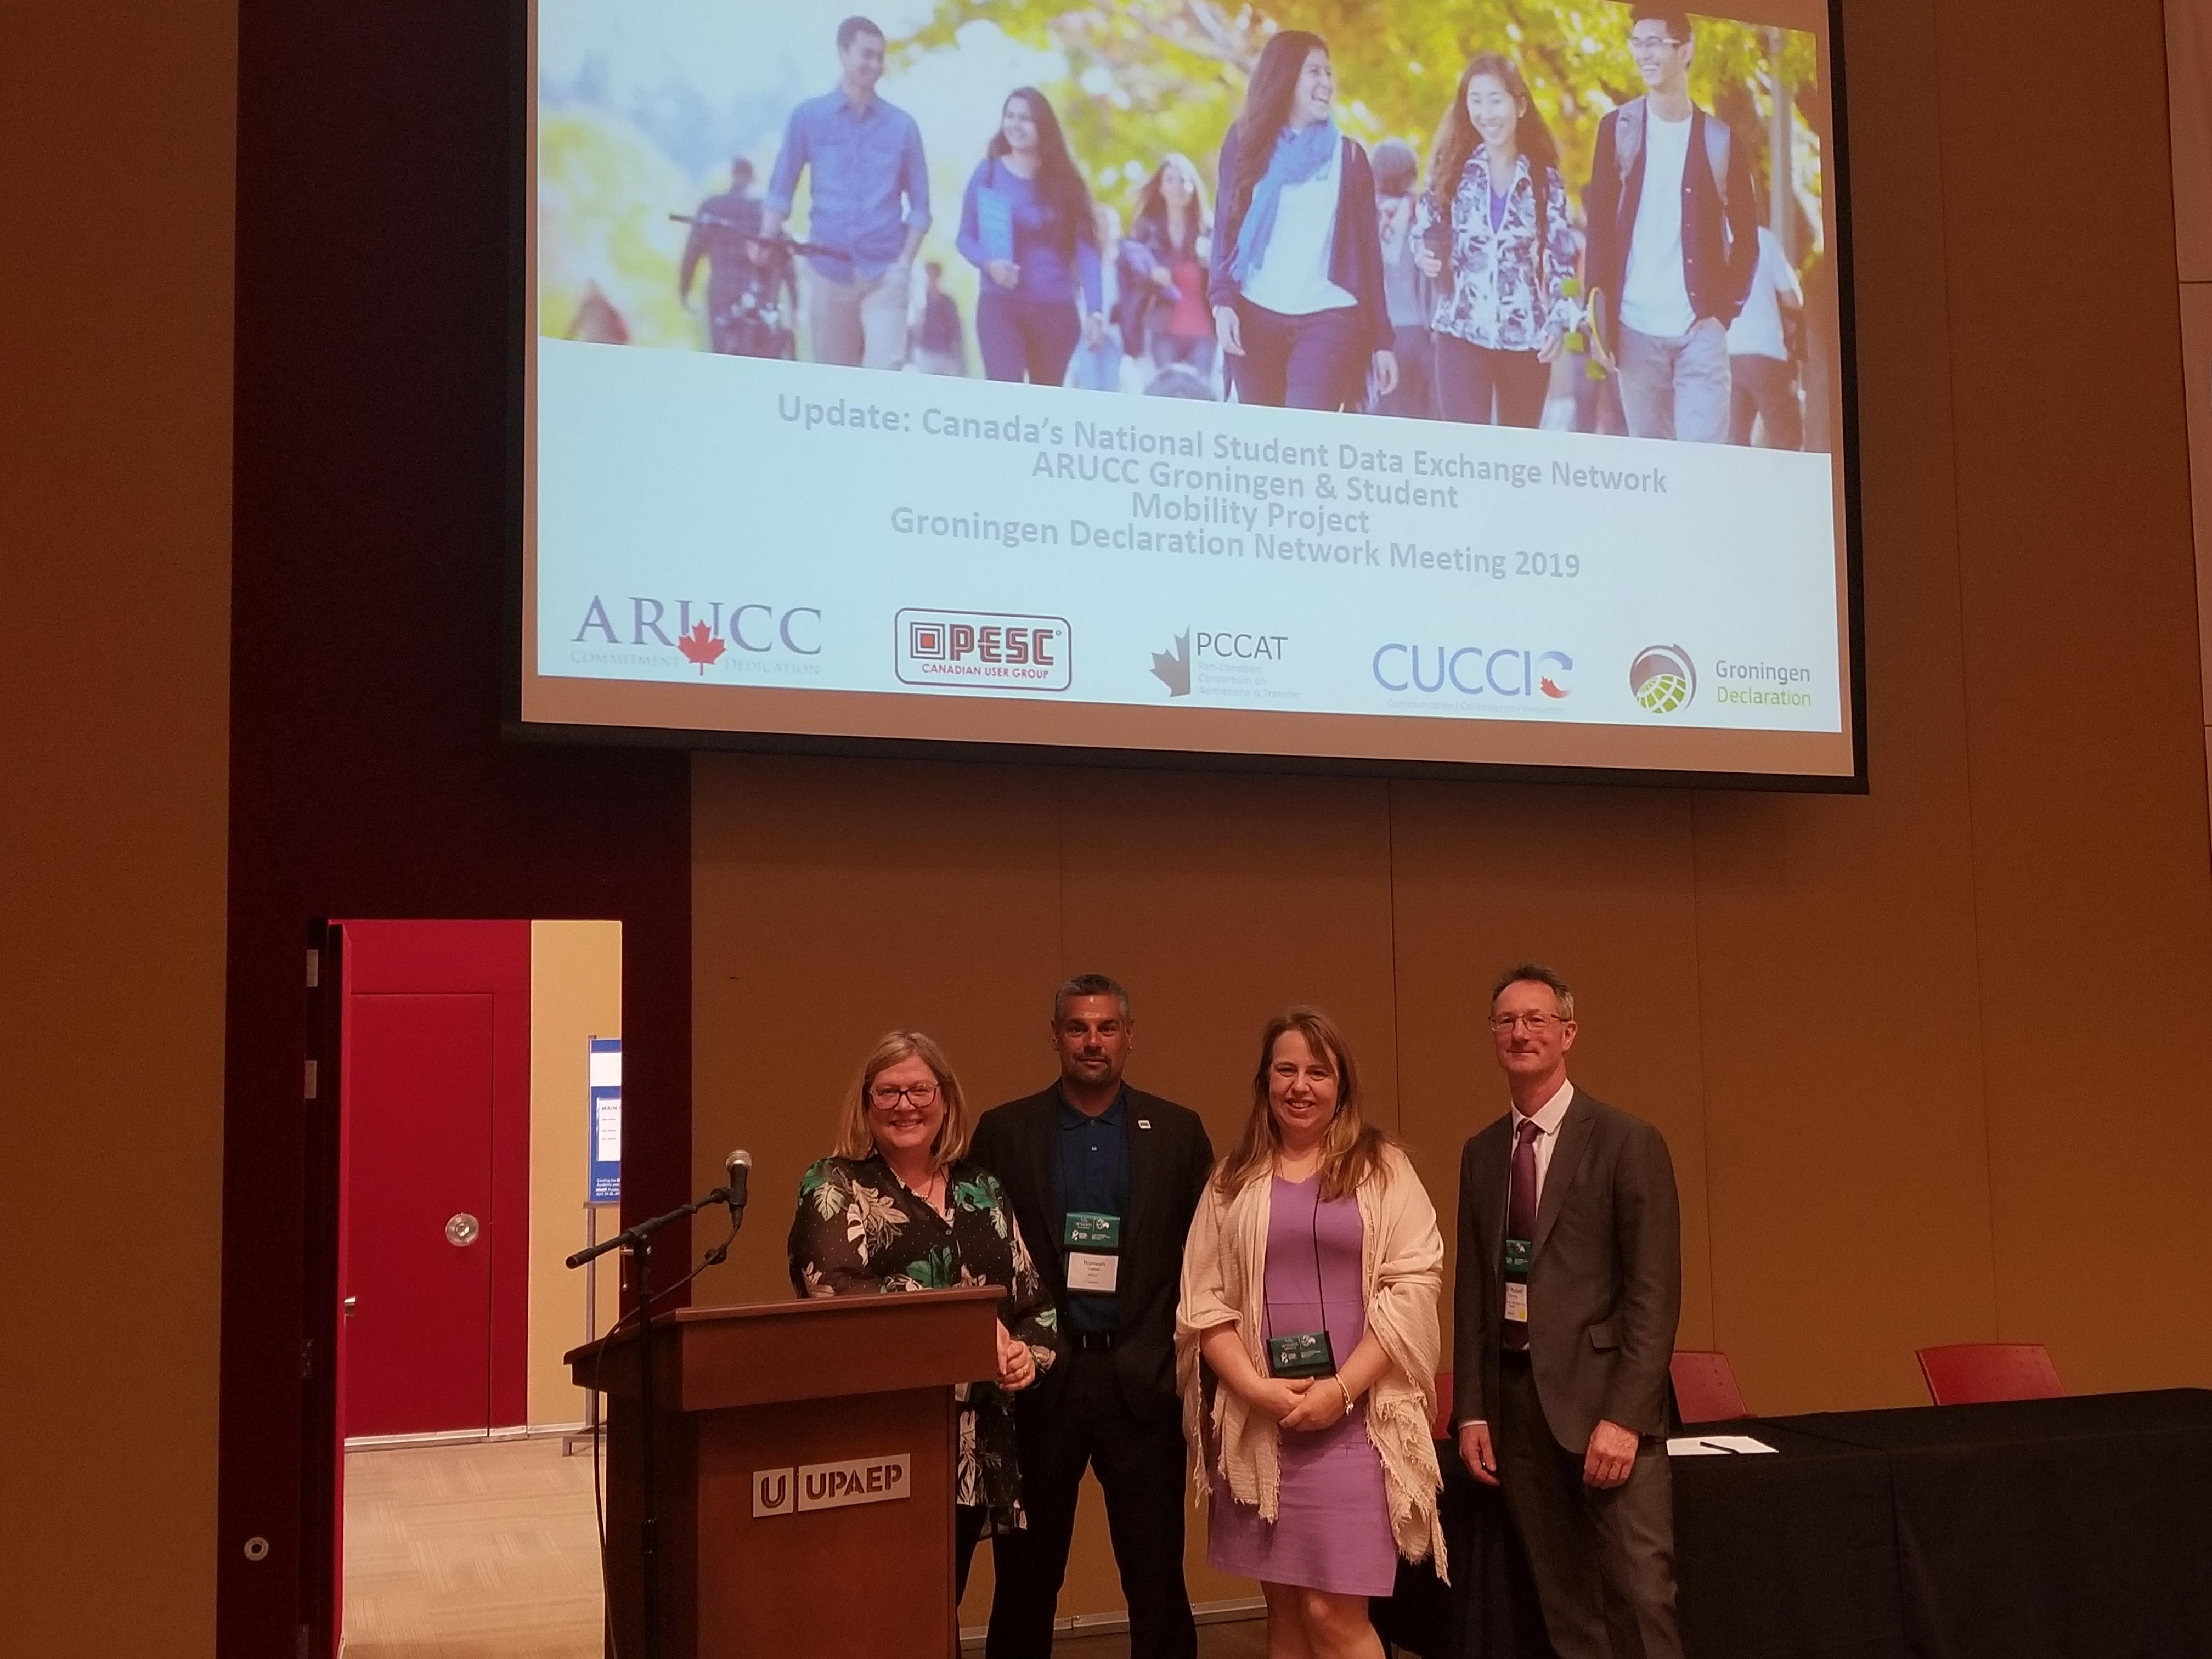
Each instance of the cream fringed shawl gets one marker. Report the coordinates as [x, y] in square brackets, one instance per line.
[1225, 1268]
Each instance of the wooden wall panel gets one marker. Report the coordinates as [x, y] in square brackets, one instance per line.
[835, 901]
[2189, 84]
[2197, 389]
[2090, 834]
[119, 123]
[1843, 1111]
[1219, 901]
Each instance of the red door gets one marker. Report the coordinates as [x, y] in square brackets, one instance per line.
[419, 1107]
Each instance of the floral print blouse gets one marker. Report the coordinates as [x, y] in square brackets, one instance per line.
[1488, 294]
[859, 1232]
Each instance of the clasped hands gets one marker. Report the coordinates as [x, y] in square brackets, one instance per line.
[1016, 1365]
[1607, 1463]
[1303, 1403]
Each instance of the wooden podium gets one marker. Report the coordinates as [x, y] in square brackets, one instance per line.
[803, 1465]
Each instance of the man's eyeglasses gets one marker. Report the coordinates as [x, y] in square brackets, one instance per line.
[1650, 42]
[923, 1095]
[1535, 1024]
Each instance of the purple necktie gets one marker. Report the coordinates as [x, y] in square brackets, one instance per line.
[1521, 1209]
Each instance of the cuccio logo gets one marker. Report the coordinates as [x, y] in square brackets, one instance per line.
[1663, 678]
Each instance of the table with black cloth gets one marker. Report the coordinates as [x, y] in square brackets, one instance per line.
[2076, 1528]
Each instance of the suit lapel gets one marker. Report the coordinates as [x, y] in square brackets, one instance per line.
[1044, 1155]
[1493, 1172]
[1143, 1173]
[1566, 1164]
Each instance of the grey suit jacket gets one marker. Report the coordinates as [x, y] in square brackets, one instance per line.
[1604, 1281]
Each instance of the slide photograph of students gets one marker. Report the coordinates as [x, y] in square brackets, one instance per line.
[1577, 215]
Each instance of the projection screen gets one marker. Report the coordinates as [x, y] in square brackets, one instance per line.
[1411, 386]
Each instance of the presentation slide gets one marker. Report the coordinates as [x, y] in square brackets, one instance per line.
[1433, 381]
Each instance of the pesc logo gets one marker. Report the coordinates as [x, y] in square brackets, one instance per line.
[1228, 648]
[1663, 678]
[1470, 670]
[702, 634]
[983, 648]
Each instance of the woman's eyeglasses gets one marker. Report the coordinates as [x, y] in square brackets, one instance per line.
[886, 1098]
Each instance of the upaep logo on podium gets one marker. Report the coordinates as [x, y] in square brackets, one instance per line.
[832, 1485]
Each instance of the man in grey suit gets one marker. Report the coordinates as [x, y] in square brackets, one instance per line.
[1569, 1287]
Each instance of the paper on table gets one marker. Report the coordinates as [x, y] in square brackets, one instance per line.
[1716, 1445]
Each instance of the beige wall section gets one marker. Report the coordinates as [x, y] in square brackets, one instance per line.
[576, 994]
[117, 527]
[1874, 1030]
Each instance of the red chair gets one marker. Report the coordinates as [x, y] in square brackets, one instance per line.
[1975, 1373]
[1705, 1386]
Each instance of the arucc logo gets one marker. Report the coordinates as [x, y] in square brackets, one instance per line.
[1469, 671]
[700, 634]
[1663, 678]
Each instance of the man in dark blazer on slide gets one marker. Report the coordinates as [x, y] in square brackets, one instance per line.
[1103, 1180]
[1568, 1288]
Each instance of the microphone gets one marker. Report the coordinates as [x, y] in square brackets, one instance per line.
[739, 1167]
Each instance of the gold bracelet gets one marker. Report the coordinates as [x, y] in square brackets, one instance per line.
[1345, 1392]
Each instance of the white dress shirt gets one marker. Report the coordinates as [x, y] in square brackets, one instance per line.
[1547, 1119]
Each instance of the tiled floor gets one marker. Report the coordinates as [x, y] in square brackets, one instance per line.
[480, 1551]
[487, 1551]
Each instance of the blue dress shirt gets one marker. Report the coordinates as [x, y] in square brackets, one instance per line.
[870, 184]
[1094, 1179]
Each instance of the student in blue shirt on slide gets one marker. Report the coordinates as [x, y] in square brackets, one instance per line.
[869, 207]
[1026, 224]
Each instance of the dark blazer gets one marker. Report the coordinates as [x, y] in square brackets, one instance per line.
[1720, 248]
[1355, 255]
[1605, 1280]
[1169, 1164]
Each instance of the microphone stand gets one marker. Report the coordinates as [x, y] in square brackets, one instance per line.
[637, 1242]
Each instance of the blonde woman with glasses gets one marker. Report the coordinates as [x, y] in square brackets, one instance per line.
[1306, 1349]
[899, 1207]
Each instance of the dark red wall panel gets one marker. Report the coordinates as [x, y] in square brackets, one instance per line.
[368, 777]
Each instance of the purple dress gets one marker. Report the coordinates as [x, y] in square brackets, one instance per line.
[1332, 1530]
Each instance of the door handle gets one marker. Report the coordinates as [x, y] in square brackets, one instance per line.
[352, 1305]
[461, 1230]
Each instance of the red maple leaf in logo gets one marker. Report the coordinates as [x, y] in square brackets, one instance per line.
[700, 646]
[1551, 687]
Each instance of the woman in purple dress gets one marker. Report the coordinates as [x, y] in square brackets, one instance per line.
[1306, 1350]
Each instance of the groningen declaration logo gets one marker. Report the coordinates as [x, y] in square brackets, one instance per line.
[1663, 678]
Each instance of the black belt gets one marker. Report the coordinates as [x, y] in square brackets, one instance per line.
[1091, 1341]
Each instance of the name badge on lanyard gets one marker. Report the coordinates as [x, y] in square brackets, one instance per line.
[1306, 1353]
[1093, 1247]
[1518, 1254]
